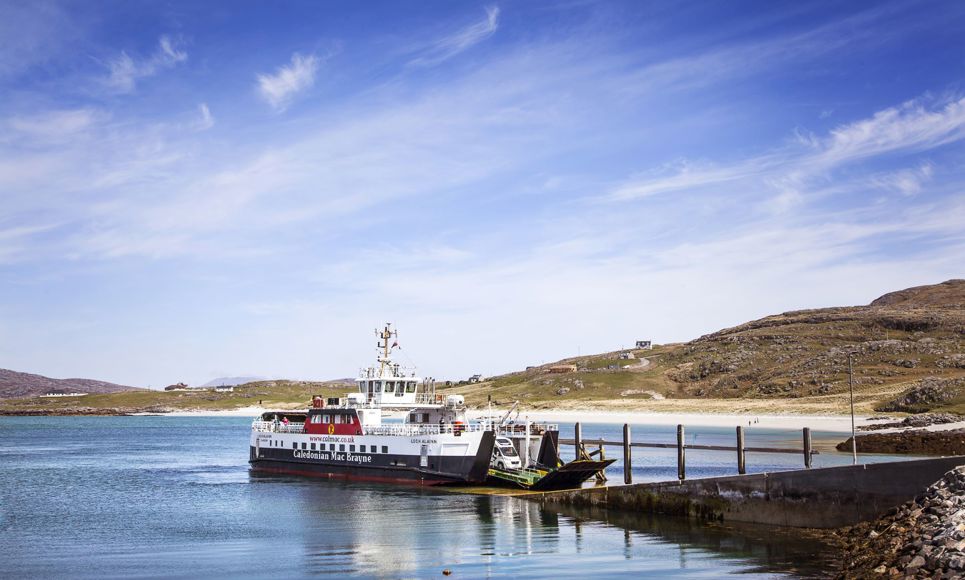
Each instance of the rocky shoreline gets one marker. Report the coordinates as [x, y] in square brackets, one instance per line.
[915, 442]
[924, 538]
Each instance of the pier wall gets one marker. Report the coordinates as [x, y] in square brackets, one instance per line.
[814, 498]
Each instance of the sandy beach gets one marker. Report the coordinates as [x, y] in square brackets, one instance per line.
[836, 423]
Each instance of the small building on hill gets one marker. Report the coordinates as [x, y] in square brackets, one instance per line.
[561, 369]
[627, 356]
[644, 344]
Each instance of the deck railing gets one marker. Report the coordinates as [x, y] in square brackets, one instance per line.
[412, 429]
[276, 427]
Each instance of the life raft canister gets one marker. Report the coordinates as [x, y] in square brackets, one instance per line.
[458, 427]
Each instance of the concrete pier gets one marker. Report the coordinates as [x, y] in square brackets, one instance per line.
[814, 498]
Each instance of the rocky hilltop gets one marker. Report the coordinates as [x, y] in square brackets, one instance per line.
[14, 384]
[908, 352]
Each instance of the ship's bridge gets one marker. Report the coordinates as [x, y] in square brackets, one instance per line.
[393, 388]
[387, 384]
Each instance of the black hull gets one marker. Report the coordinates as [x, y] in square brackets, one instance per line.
[386, 468]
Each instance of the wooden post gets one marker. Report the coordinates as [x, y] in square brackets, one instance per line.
[854, 440]
[807, 447]
[741, 463]
[578, 440]
[627, 471]
[681, 454]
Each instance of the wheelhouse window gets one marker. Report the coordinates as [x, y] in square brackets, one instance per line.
[316, 418]
[326, 419]
[378, 386]
[390, 386]
[410, 387]
[338, 419]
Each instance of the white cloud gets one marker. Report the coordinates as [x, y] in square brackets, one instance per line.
[205, 120]
[907, 129]
[54, 126]
[911, 127]
[906, 181]
[280, 88]
[464, 39]
[126, 71]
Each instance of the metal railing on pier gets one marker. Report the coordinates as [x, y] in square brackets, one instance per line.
[681, 446]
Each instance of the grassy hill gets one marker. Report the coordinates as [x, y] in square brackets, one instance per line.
[274, 394]
[908, 348]
[16, 384]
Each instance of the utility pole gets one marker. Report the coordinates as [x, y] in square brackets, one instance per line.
[854, 442]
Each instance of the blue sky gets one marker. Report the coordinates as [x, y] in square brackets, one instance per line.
[192, 190]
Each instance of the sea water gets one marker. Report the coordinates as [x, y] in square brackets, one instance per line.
[142, 497]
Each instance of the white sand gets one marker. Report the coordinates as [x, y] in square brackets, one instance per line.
[836, 423]
[832, 423]
[252, 411]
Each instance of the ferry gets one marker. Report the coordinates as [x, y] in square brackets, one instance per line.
[349, 438]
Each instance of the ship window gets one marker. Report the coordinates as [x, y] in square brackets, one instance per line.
[338, 419]
[371, 386]
[410, 387]
[331, 447]
[313, 447]
[390, 386]
[385, 449]
[304, 446]
[374, 449]
[351, 448]
[378, 386]
[316, 418]
[341, 447]
[294, 445]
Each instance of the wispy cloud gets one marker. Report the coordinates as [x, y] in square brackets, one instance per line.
[910, 128]
[464, 39]
[205, 119]
[54, 126]
[126, 70]
[288, 81]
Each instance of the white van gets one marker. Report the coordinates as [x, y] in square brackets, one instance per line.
[505, 456]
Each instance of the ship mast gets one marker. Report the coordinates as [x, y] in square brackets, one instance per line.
[384, 347]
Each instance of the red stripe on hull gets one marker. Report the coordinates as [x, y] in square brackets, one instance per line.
[354, 477]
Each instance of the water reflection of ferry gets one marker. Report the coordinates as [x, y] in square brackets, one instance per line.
[348, 439]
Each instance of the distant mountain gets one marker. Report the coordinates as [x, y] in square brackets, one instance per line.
[15, 385]
[231, 381]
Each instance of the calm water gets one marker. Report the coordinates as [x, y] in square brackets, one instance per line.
[124, 497]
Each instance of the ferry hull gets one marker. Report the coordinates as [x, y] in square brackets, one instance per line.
[385, 468]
